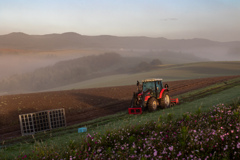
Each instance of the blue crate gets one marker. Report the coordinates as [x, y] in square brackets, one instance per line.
[83, 129]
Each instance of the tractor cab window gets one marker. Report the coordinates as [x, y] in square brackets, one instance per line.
[148, 85]
[159, 85]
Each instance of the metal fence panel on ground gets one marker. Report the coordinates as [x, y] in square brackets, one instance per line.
[32, 123]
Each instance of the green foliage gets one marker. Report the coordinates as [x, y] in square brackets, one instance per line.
[72, 144]
[170, 117]
[131, 139]
[160, 118]
[199, 111]
[109, 150]
[183, 136]
[236, 102]
[131, 151]
[236, 113]
[186, 116]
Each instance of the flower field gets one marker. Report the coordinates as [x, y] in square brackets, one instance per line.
[210, 135]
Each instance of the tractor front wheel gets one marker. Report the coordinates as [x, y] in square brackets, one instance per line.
[165, 100]
[152, 104]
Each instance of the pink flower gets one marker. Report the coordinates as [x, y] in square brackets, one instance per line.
[155, 153]
[238, 145]
[179, 154]
[170, 148]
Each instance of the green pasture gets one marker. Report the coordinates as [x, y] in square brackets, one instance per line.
[167, 72]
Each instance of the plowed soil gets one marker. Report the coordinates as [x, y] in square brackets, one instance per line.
[82, 105]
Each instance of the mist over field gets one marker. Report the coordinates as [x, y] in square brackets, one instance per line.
[31, 63]
[11, 64]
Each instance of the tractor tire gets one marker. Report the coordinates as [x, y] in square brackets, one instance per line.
[165, 100]
[152, 104]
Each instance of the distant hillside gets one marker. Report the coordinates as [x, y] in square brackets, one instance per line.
[75, 70]
[64, 72]
[72, 40]
[54, 42]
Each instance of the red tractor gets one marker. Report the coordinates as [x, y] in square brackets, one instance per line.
[150, 95]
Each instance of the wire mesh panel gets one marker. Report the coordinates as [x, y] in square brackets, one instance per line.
[57, 118]
[41, 121]
[27, 126]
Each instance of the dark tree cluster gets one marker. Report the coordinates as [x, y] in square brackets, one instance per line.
[145, 66]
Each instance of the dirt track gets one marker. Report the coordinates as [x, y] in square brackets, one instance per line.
[81, 105]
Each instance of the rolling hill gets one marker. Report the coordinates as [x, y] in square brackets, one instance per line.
[167, 72]
[23, 43]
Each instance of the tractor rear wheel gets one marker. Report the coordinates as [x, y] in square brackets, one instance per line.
[152, 104]
[165, 100]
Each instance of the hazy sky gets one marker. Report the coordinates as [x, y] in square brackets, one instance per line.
[173, 19]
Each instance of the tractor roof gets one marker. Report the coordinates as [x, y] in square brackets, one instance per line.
[152, 80]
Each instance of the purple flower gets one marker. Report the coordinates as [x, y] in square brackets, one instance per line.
[179, 154]
[99, 150]
[155, 153]
[238, 145]
[170, 148]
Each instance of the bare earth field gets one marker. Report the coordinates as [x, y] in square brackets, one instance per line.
[82, 105]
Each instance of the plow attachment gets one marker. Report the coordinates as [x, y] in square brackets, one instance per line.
[174, 100]
[135, 110]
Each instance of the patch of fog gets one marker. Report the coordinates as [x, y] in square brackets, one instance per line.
[18, 64]
[213, 54]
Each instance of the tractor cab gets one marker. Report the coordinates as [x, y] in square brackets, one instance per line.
[155, 85]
